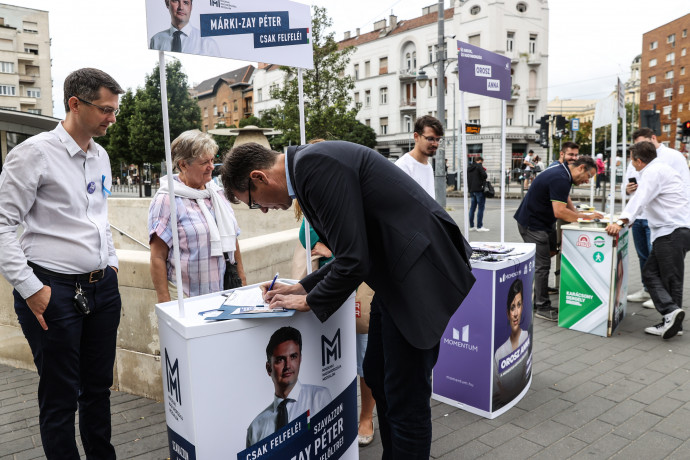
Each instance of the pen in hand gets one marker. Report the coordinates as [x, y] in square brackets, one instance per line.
[273, 282]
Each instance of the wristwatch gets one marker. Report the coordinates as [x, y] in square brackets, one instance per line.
[620, 223]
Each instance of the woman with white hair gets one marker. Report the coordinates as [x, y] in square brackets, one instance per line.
[209, 252]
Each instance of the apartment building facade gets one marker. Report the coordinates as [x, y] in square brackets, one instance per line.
[225, 99]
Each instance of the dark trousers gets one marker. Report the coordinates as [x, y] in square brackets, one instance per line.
[74, 359]
[542, 264]
[478, 200]
[663, 273]
[642, 238]
[399, 376]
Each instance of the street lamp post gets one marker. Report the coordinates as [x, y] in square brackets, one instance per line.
[409, 140]
[440, 183]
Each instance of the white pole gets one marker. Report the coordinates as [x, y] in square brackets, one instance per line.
[171, 183]
[614, 155]
[303, 140]
[623, 155]
[463, 135]
[503, 168]
[591, 186]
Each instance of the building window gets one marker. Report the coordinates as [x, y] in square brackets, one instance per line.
[367, 122]
[35, 111]
[521, 7]
[205, 112]
[33, 92]
[683, 52]
[356, 98]
[671, 57]
[685, 33]
[666, 128]
[668, 92]
[259, 95]
[668, 74]
[475, 10]
[414, 59]
[7, 90]
[474, 40]
[235, 106]
[682, 70]
[680, 107]
[474, 150]
[667, 110]
[509, 41]
[6, 67]
[367, 98]
[533, 44]
[31, 49]
[509, 115]
[651, 96]
[383, 124]
[652, 62]
[383, 66]
[681, 89]
[653, 45]
[431, 88]
[531, 116]
[356, 71]
[30, 27]
[431, 53]
[273, 89]
[671, 38]
[225, 107]
[383, 92]
[215, 111]
[651, 79]
[367, 69]
[473, 114]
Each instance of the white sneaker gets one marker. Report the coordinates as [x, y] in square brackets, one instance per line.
[648, 304]
[483, 229]
[472, 229]
[657, 329]
[639, 296]
[673, 322]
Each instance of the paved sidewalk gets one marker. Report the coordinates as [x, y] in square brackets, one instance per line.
[624, 397]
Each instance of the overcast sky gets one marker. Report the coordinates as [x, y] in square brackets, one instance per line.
[591, 42]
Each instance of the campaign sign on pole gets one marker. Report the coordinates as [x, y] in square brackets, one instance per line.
[483, 72]
[274, 31]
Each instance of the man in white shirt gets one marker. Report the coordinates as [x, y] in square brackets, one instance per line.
[181, 37]
[640, 229]
[291, 398]
[63, 267]
[428, 136]
[662, 194]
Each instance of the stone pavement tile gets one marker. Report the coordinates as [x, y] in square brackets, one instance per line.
[144, 410]
[642, 375]
[609, 377]
[571, 367]
[439, 430]
[542, 413]
[582, 391]
[595, 355]
[637, 425]
[515, 449]
[625, 355]
[681, 393]
[546, 379]
[681, 453]
[443, 410]
[16, 445]
[676, 425]
[564, 356]
[573, 342]
[507, 417]
[534, 399]
[604, 447]
[123, 407]
[469, 451]
[373, 451]
[546, 433]
[458, 419]
[584, 411]
[129, 432]
[7, 393]
[620, 390]
[664, 406]
[36, 452]
[649, 446]
[592, 431]
[621, 412]
[142, 446]
[29, 412]
[153, 455]
[678, 376]
[562, 449]
[646, 345]
[460, 437]
[652, 392]
[18, 425]
[501, 435]
[575, 380]
[667, 363]
[543, 354]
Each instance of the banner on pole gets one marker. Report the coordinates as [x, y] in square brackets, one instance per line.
[276, 32]
[605, 113]
[483, 72]
[621, 99]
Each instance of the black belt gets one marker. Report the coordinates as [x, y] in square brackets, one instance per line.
[91, 277]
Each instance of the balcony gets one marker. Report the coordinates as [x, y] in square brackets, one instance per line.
[24, 78]
[534, 97]
[23, 100]
[533, 60]
[407, 104]
[407, 74]
[27, 57]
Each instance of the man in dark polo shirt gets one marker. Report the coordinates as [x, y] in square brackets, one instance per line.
[546, 201]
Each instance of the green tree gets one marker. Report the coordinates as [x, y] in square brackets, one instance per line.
[329, 113]
[116, 140]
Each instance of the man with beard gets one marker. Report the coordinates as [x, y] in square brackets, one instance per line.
[428, 136]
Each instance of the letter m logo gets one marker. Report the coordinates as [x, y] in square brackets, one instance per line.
[330, 349]
[172, 374]
[215, 2]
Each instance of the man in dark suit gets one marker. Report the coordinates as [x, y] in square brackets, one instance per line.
[384, 229]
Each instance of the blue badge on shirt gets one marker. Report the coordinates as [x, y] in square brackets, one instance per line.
[91, 187]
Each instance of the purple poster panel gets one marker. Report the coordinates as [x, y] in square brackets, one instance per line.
[463, 370]
[483, 72]
[512, 350]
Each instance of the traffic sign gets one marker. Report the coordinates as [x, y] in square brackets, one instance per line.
[574, 124]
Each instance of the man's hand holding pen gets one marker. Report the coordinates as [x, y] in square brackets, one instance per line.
[288, 296]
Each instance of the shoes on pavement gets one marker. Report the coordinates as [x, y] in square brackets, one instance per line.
[648, 304]
[482, 229]
[363, 440]
[671, 326]
[472, 229]
[548, 313]
[552, 290]
[639, 296]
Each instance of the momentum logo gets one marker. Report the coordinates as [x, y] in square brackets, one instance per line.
[172, 374]
[330, 349]
[461, 339]
[507, 276]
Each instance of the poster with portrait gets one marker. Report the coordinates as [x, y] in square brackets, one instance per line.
[274, 31]
[512, 350]
[273, 388]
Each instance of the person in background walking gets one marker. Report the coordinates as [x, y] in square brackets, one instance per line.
[476, 176]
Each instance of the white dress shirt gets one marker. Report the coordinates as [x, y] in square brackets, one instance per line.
[191, 40]
[422, 173]
[662, 194]
[677, 161]
[44, 186]
[302, 398]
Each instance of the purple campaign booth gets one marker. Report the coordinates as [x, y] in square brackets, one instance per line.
[485, 358]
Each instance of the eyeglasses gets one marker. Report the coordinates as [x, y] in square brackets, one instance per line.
[104, 110]
[250, 203]
[438, 140]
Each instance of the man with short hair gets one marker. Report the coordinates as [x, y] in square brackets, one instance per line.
[546, 201]
[662, 193]
[570, 151]
[476, 176]
[640, 227]
[64, 267]
[428, 137]
[181, 37]
[385, 230]
[291, 397]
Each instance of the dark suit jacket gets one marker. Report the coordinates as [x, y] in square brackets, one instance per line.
[384, 229]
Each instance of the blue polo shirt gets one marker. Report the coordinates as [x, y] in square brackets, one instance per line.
[536, 211]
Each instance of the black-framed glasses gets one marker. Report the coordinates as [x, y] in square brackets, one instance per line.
[438, 140]
[104, 110]
[250, 203]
